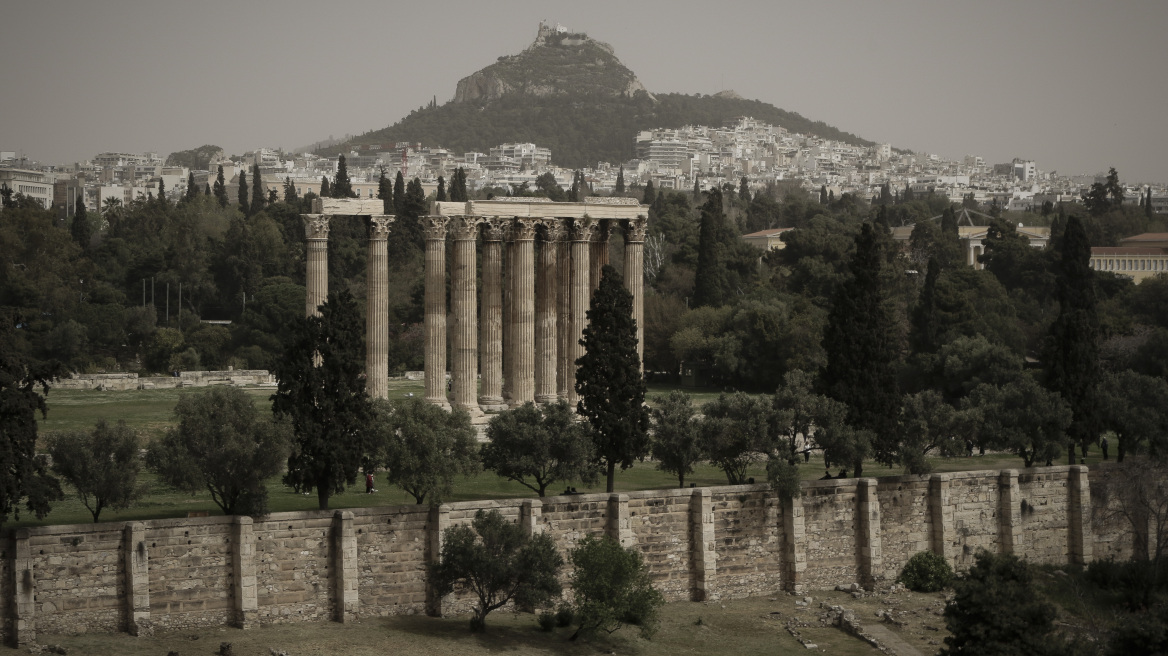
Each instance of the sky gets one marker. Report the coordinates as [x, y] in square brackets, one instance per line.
[1078, 86]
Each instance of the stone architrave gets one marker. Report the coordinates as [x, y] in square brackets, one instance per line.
[464, 352]
[316, 231]
[565, 371]
[635, 278]
[546, 289]
[523, 312]
[491, 326]
[435, 319]
[582, 230]
[377, 309]
[599, 253]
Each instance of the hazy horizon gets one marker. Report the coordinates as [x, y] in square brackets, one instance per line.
[1071, 85]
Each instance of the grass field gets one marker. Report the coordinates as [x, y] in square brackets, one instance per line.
[150, 411]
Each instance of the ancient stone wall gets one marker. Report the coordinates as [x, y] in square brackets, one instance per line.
[699, 543]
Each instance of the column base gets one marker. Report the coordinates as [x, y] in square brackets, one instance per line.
[472, 409]
[545, 399]
[441, 402]
[492, 404]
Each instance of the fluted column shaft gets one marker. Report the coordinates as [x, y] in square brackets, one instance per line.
[465, 353]
[635, 279]
[545, 320]
[599, 253]
[435, 319]
[523, 311]
[491, 328]
[582, 230]
[509, 314]
[316, 230]
[377, 309]
[565, 379]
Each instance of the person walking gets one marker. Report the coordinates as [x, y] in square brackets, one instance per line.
[369, 483]
[1103, 447]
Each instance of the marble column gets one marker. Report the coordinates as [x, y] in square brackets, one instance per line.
[565, 372]
[491, 327]
[464, 354]
[546, 289]
[599, 254]
[508, 312]
[435, 320]
[377, 309]
[523, 312]
[635, 278]
[582, 230]
[316, 230]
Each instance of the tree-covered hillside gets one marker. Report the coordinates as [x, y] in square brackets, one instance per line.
[195, 158]
[580, 130]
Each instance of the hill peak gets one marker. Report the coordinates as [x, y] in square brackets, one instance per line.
[558, 62]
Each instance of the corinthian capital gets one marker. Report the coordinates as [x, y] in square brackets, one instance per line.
[494, 228]
[465, 227]
[316, 226]
[379, 226]
[583, 228]
[524, 229]
[554, 229]
[635, 230]
[434, 226]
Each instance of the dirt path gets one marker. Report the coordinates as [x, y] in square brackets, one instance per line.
[891, 641]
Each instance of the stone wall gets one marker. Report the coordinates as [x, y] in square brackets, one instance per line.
[699, 543]
[131, 381]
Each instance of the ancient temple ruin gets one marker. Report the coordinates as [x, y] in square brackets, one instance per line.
[521, 332]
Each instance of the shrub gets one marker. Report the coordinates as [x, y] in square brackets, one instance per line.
[547, 620]
[926, 572]
[565, 616]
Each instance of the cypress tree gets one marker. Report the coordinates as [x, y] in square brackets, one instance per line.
[697, 193]
[325, 190]
[712, 278]
[744, 190]
[220, 189]
[650, 194]
[290, 195]
[620, 181]
[458, 192]
[385, 193]
[573, 193]
[860, 342]
[342, 187]
[207, 189]
[161, 192]
[243, 206]
[1148, 204]
[609, 380]
[257, 190]
[273, 196]
[192, 188]
[923, 338]
[440, 195]
[399, 194]
[1071, 355]
[823, 194]
[81, 231]
[831, 196]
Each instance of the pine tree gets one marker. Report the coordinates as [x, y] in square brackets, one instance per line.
[342, 187]
[243, 205]
[650, 194]
[620, 181]
[1072, 346]
[192, 188]
[257, 190]
[399, 194]
[440, 194]
[385, 193]
[325, 190]
[220, 189]
[81, 231]
[744, 190]
[860, 342]
[609, 380]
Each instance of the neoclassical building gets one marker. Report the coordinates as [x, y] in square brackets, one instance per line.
[539, 262]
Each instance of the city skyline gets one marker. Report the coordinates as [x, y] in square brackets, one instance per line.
[1063, 86]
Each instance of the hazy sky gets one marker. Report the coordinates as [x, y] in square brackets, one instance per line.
[1075, 85]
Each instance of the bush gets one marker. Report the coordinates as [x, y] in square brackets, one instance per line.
[926, 572]
[565, 616]
[547, 620]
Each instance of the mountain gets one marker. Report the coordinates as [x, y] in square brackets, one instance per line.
[570, 93]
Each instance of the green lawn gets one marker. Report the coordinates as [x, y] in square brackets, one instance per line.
[151, 412]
